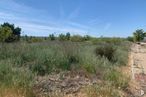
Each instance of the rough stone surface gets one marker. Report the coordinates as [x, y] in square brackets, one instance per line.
[138, 66]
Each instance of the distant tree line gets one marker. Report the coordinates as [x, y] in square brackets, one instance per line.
[9, 33]
[61, 37]
[68, 37]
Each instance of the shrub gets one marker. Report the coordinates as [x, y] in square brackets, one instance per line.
[39, 69]
[73, 59]
[5, 33]
[106, 51]
[117, 79]
[76, 38]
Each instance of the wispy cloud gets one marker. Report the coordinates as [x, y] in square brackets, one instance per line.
[13, 7]
[37, 22]
[40, 29]
[94, 21]
[107, 26]
[45, 29]
[74, 13]
[16, 13]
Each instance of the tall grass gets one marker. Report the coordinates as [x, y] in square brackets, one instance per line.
[21, 62]
[102, 91]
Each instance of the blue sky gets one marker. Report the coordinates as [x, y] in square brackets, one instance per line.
[119, 18]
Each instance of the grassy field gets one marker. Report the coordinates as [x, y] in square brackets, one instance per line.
[21, 62]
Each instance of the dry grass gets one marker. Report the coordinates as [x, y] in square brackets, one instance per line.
[15, 92]
[102, 91]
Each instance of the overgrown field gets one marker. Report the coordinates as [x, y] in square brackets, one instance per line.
[21, 63]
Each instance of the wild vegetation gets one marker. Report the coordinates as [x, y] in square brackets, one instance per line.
[21, 62]
[9, 33]
[138, 36]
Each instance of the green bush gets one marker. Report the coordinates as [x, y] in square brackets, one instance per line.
[39, 69]
[105, 50]
[76, 38]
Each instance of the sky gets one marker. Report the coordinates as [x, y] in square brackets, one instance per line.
[108, 18]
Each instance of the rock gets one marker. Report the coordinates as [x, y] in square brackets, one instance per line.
[141, 92]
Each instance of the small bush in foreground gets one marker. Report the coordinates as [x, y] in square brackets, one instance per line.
[117, 79]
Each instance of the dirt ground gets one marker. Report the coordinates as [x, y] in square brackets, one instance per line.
[138, 69]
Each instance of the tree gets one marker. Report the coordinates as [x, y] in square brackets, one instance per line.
[86, 37]
[16, 31]
[5, 33]
[26, 38]
[68, 36]
[138, 35]
[129, 38]
[144, 34]
[62, 37]
[51, 37]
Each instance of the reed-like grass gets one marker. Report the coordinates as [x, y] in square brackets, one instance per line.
[21, 62]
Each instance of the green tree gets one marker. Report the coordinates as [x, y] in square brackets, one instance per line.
[138, 35]
[16, 31]
[86, 37]
[26, 38]
[62, 37]
[5, 33]
[129, 38]
[52, 37]
[68, 36]
[144, 34]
